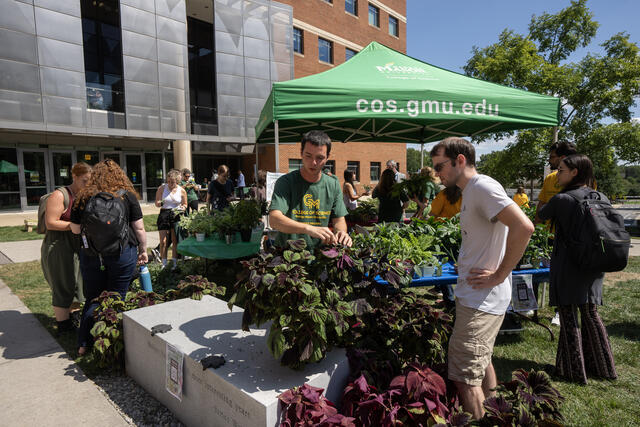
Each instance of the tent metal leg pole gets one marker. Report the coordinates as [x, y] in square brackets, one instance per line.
[277, 150]
[257, 164]
[421, 155]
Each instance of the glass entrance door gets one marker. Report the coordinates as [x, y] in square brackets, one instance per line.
[116, 156]
[34, 170]
[154, 174]
[9, 179]
[133, 168]
[61, 163]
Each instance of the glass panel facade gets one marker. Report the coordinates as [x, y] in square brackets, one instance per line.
[9, 180]
[325, 50]
[298, 40]
[102, 44]
[351, 6]
[374, 171]
[202, 80]
[374, 16]
[295, 164]
[349, 53]
[62, 164]
[394, 29]
[355, 167]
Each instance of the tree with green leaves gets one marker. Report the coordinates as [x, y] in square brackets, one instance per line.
[413, 159]
[598, 92]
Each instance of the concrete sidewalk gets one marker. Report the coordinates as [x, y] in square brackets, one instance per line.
[29, 250]
[41, 385]
[17, 217]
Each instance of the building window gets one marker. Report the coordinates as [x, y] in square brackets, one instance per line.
[351, 6]
[202, 80]
[325, 50]
[298, 40]
[374, 16]
[330, 167]
[374, 171]
[295, 164]
[354, 167]
[102, 47]
[349, 53]
[394, 29]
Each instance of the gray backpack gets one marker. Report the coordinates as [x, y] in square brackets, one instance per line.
[41, 228]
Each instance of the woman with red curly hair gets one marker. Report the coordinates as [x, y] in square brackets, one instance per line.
[108, 273]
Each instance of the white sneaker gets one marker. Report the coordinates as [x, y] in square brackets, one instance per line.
[556, 319]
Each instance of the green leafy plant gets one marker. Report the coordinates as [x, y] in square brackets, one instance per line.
[416, 186]
[538, 247]
[224, 222]
[107, 330]
[365, 213]
[406, 328]
[247, 214]
[307, 317]
[528, 399]
[198, 222]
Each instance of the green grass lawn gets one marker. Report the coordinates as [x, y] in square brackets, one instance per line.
[17, 233]
[600, 403]
[150, 222]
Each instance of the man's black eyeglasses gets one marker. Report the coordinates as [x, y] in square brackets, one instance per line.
[441, 165]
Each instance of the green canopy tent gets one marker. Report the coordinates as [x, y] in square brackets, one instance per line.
[381, 95]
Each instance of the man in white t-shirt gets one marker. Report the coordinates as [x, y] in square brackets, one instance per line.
[495, 233]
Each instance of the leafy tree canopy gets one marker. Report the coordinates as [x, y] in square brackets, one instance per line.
[598, 92]
[413, 159]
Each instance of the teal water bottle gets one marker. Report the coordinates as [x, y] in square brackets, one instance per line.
[145, 279]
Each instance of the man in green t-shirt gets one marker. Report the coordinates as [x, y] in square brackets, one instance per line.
[190, 186]
[305, 201]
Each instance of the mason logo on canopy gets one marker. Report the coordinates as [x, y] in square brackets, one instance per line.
[310, 203]
[391, 68]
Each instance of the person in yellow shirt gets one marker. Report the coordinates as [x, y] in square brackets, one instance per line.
[447, 203]
[550, 186]
[521, 198]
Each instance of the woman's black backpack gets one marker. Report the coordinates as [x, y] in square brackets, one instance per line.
[597, 241]
[105, 224]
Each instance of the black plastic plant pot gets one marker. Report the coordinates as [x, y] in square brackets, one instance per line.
[245, 235]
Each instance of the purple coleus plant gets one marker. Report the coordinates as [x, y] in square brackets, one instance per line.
[306, 406]
[417, 397]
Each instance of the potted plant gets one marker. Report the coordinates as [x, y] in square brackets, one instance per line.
[225, 225]
[247, 216]
[198, 223]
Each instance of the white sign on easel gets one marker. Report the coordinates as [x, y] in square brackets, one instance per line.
[522, 297]
[272, 177]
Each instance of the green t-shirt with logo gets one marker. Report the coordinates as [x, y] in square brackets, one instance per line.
[191, 191]
[310, 203]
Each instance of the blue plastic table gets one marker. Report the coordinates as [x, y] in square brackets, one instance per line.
[449, 277]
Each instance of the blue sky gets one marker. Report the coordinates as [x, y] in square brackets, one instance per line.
[443, 33]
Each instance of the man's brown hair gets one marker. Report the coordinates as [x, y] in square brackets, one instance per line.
[453, 146]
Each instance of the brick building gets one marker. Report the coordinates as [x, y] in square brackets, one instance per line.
[325, 34]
